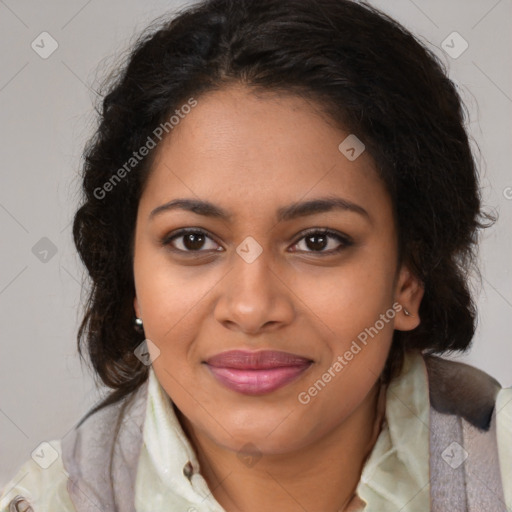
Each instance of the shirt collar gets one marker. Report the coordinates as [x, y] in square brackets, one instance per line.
[168, 470]
[396, 474]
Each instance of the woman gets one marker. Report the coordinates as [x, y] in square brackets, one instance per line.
[280, 214]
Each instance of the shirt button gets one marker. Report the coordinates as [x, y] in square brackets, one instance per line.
[188, 470]
[20, 504]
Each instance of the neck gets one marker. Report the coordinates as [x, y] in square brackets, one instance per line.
[322, 476]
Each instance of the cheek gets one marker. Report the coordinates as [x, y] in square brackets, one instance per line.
[174, 301]
[170, 295]
[352, 296]
[354, 307]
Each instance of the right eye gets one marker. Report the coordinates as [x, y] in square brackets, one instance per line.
[190, 240]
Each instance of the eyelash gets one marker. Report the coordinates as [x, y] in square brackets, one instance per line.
[344, 240]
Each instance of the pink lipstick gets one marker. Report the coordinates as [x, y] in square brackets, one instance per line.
[256, 373]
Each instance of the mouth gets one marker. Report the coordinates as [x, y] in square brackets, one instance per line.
[256, 373]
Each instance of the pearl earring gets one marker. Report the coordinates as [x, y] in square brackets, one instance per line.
[407, 313]
[138, 324]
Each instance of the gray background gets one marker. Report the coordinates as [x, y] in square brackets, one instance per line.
[47, 115]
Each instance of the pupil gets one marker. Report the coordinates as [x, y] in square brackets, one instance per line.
[194, 241]
[316, 244]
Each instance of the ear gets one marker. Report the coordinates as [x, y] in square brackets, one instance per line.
[408, 293]
[136, 307]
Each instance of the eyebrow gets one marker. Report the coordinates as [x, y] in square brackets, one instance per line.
[285, 213]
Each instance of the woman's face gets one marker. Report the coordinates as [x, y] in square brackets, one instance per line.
[260, 277]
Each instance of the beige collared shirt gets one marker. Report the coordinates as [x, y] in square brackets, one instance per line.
[394, 477]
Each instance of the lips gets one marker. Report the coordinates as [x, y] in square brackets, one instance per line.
[263, 360]
[256, 373]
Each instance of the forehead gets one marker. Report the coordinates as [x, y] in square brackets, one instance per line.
[253, 151]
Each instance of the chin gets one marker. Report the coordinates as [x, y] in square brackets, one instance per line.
[256, 441]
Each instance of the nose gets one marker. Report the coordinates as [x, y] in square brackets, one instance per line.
[254, 298]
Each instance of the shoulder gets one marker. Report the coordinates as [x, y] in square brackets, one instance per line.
[83, 456]
[504, 439]
[101, 453]
[461, 389]
[41, 481]
[471, 407]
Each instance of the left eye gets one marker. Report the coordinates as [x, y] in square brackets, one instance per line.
[318, 241]
[192, 240]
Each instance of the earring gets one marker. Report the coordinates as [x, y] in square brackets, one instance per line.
[407, 313]
[138, 324]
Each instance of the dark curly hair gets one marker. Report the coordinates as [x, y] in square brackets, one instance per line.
[371, 77]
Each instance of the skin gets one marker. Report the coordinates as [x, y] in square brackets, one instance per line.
[252, 154]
